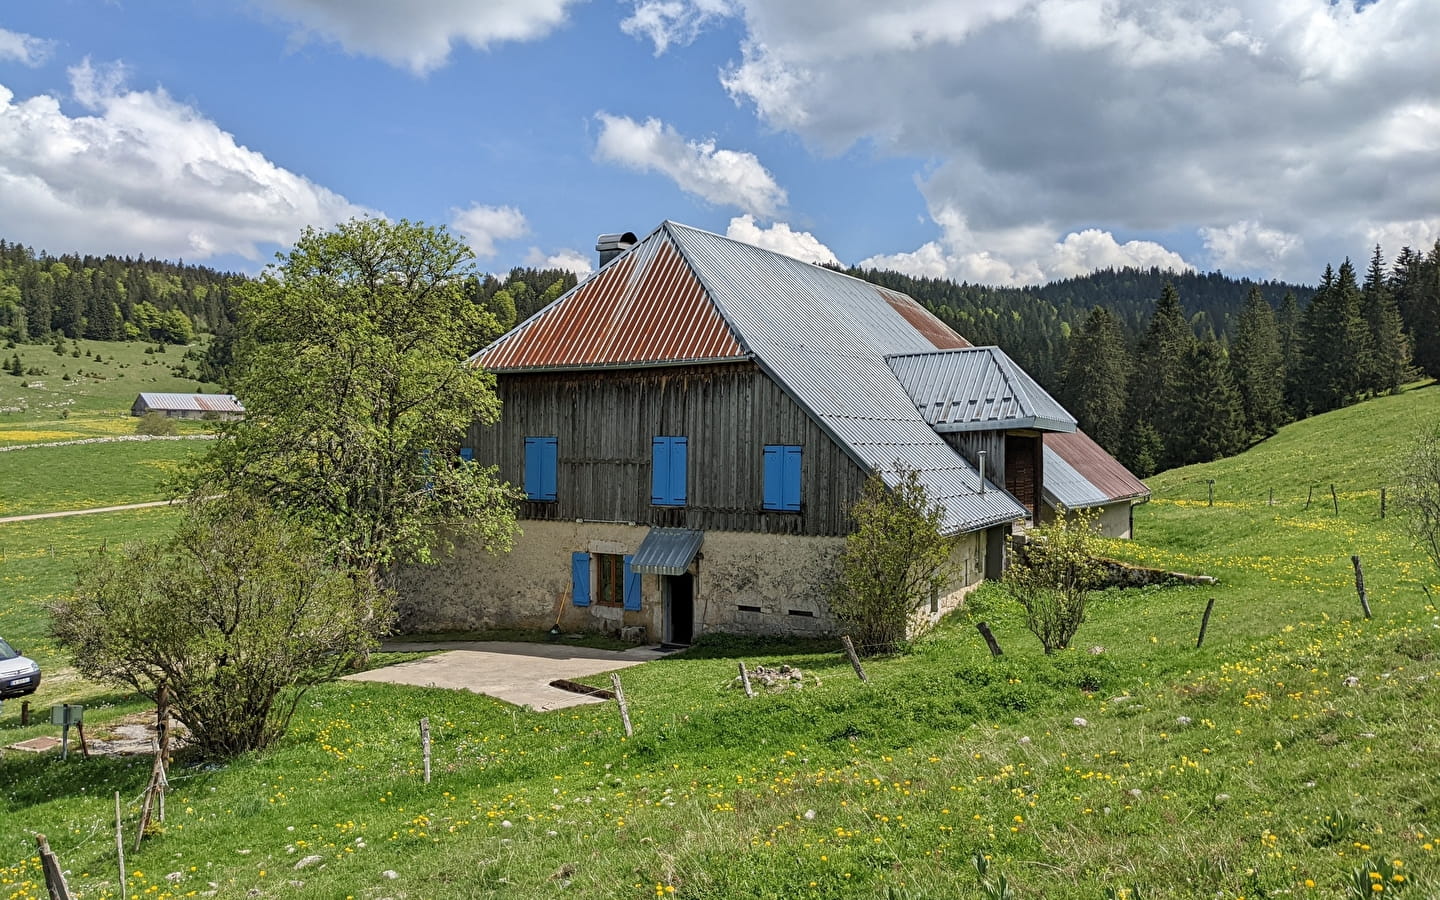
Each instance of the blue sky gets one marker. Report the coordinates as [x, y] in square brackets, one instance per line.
[997, 141]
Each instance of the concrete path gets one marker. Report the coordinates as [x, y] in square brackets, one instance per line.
[513, 671]
[83, 512]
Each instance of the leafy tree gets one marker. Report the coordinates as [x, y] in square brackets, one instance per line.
[1052, 575]
[893, 561]
[1258, 365]
[1390, 350]
[1096, 375]
[155, 424]
[237, 616]
[1419, 493]
[351, 366]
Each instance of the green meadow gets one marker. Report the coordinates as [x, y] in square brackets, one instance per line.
[1293, 755]
[86, 390]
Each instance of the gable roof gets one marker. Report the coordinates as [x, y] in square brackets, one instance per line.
[977, 389]
[219, 403]
[1079, 474]
[822, 335]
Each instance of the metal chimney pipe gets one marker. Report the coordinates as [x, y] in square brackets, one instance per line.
[610, 246]
[982, 471]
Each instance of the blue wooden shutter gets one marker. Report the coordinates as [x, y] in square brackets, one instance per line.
[774, 477]
[632, 586]
[580, 578]
[660, 471]
[679, 452]
[467, 454]
[541, 456]
[790, 498]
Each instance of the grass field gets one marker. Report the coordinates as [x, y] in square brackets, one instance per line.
[1292, 756]
[86, 476]
[94, 400]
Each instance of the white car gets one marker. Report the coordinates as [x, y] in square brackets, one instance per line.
[19, 675]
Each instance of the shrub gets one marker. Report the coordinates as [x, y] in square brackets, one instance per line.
[237, 615]
[1052, 575]
[154, 423]
[893, 561]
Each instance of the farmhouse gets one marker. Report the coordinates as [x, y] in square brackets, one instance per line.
[691, 424]
[1080, 475]
[189, 406]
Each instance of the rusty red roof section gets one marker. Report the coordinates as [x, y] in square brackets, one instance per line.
[935, 331]
[646, 307]
[1098, 467]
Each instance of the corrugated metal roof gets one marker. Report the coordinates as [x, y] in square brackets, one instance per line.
[667, 551]
[821, 334]
[977, 389]
[646, 307]
[1085, 475]
[220, 403]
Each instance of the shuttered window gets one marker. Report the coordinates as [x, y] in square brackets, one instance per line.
[580, 579]
[467, 454]
[541, 455]
[668, 456]
[782, 477]
[632, 585]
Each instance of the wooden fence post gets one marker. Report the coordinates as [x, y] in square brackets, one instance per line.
[1272, 497]
[1310, 496]
[745, 680]
[1205, 622]
[1382, 503]
[24, 713]
[425, 745]
[1209, 492]
[624, 707]
[1335, 499]
[120, 846]
[1360, 585]
[994, 645]
[54, 876]
[854, 657]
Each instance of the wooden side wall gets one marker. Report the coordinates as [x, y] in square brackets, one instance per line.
[969, 444]
[604, 422]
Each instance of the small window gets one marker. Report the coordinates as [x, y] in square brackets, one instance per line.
[541, 455]
[609, 579]
[668, 458]
[782, 477]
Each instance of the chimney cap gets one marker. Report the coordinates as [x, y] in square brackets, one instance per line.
[620, 241]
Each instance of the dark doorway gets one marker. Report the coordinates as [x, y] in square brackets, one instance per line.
[679, 608]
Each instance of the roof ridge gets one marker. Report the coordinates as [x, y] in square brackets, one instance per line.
[710, 294]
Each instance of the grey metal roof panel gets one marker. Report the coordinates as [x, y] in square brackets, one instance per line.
[1064, 486]
[824, 336]
[667, 551]
[977, 389]
[193, 402]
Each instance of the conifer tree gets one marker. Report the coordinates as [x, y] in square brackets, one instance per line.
[1335, 345]
[1415, 284]
[1211, 420]
[1096, 376]
[1258, 367]
[1390, 350]
[1154, 385]
[1287, 326]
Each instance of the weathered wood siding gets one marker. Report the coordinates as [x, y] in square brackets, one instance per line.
[604, 422]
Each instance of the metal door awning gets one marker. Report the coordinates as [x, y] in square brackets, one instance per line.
[667, 551]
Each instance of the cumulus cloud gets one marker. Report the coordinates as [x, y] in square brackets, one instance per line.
[419, 34]
[570, 260]
[780, 238]
[144, 173]
[1023, 255]
[725, 177]
[1319, 119]
[481, 226]
[674, 22]
[24, 49]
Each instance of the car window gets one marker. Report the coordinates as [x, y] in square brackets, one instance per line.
[6, 651]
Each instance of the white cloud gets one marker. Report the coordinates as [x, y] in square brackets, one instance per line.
[1316, 118]
[570, 260]
[24, 49]
[726, 177]
[481, 226]
[1248, 246]
[779, 238]
[1021, 256]
[145, 174]
[678, 22]
[419, 34]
